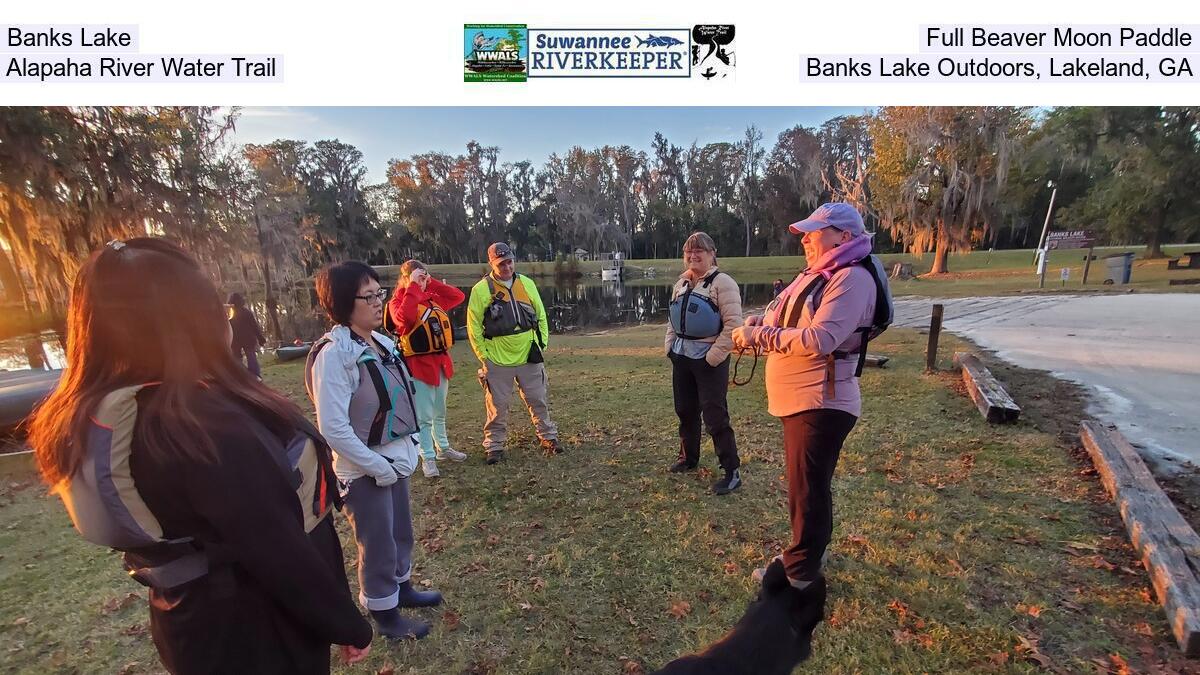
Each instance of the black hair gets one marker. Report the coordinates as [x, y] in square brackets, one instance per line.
[338, 283]
[236, 299]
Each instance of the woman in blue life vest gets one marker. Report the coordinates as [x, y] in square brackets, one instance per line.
[205, 446]
[363, 393]
[706, 306]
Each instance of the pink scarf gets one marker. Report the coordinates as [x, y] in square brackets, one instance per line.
[832, 260]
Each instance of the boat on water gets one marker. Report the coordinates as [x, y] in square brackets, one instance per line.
[21, 391]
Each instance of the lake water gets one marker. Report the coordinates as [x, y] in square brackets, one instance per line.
[570, 307]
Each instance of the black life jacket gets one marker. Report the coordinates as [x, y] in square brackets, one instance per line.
[511, 310]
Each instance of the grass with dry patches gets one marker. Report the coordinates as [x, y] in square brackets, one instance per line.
[958, 546]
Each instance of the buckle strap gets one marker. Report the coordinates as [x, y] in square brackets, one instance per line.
[179, 571]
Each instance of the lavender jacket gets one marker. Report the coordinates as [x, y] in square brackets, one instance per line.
[802, 373]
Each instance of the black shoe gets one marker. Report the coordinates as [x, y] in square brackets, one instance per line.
[731, 482]
[411, 597]
[681, 465]
[550, 447]
[393, 624]
[494, 456]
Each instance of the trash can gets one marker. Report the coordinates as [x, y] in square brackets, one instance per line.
[1119, 268]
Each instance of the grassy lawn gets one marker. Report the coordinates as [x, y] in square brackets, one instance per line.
[958, 546]
[975, 273]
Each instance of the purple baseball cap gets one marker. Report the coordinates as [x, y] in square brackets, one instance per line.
[834, 214]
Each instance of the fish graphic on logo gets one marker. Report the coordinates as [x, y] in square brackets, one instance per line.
[658, 41]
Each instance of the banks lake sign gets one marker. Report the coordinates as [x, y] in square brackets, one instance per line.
[1069, 239]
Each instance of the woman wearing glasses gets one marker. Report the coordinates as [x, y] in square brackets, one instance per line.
[706, 306]
[363, 395]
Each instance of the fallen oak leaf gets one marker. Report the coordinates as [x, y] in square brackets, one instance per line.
[680, 609]
[451, 620]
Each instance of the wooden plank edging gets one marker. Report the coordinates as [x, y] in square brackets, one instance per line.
[989, 395]
[1169, 547]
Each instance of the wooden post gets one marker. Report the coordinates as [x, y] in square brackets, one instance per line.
[1087, 263]
[935, 331]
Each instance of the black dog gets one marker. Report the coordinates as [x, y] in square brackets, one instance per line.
[772, 637]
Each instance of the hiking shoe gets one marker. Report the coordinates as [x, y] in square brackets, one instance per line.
[495, 456]
[451, 454]
[550, 447]
[681, 466]
[731, 482]
[393, 624]
[429, 468]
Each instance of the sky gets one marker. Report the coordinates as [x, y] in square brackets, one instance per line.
[531, 133]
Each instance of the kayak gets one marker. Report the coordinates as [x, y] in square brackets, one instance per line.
[293, 352]
[21, 391]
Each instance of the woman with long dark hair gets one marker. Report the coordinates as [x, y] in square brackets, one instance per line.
[243, 575]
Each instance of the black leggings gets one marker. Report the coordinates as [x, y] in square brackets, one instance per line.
[700, 391]
[812, 441]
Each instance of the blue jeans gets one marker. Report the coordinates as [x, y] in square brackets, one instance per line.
[431, 415]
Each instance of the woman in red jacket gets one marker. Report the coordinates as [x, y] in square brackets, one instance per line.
[419, 312]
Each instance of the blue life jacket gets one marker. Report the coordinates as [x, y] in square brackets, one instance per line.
[694, 315]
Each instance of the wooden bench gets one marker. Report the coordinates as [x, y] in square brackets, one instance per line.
[989, 395]
[1193, 263]
[1169, 547]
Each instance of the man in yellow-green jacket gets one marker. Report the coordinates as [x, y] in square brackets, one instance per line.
[507, 325]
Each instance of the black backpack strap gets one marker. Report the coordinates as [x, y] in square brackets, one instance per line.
[796, 307]
[709, 279]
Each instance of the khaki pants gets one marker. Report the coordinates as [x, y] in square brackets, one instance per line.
[498, 389]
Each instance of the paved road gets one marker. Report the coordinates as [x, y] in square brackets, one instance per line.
[1138, 354]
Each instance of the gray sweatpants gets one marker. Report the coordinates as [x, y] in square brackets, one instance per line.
[530, 378]
[382, 522]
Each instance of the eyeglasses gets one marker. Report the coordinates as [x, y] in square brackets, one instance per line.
[375, 298]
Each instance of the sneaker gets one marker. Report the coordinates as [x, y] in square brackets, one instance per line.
[551, 447]
[429, 468]
[681, 466]
[495, 456]
[757, 575]
[451, 454]
[731, 482]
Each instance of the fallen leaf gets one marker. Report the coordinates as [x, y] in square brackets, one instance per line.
[117, 604]
[492, 540]
[386, 670]
[128, 668]
[680, 609]
[1145, 595]
[21, 621]
[451, 620]
[1031, 610]
[631, 667]
[1143, 628]
[525, 606]
[1118, 664]
[999, 658]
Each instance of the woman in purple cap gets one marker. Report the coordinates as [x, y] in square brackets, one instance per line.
[814, 332]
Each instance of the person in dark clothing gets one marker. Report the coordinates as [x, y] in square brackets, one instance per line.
[777, 288]
[208, 461]
[247, 336]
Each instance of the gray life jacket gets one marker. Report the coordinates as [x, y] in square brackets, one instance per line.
[694, 315]
[382, 407]
[106, 508]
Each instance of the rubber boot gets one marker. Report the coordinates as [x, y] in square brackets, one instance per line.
[393, 624]
[411, 597]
